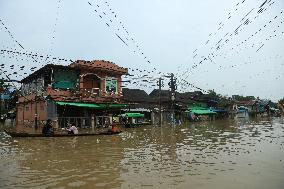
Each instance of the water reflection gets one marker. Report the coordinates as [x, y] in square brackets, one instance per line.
[248, 152]
[62, 162]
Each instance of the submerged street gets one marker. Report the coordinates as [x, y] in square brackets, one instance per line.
[221, 154]
[142, 94]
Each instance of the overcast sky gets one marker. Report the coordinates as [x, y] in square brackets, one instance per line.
[237, 45]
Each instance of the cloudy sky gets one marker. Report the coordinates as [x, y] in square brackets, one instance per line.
[233, 47]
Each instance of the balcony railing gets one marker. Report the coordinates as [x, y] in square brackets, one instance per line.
[90, 92]
[84, 122]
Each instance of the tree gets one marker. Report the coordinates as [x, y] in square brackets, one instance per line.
[222, 101]
[3, 85]
[9, 103]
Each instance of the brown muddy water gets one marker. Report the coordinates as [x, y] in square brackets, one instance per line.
[221, 154]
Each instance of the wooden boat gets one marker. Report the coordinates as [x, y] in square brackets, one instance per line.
[17, 134]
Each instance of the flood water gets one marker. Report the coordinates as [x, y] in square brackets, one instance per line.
[220, 154]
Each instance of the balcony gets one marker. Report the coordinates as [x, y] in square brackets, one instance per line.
[90, 92]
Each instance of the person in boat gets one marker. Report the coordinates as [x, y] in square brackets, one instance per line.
[47, 128]
[73, 130]
[115, 128]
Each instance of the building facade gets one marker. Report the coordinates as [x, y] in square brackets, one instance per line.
[85, 93]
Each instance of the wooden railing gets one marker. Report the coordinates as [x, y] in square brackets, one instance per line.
[80, 122]
[87, 92]
[84, 122]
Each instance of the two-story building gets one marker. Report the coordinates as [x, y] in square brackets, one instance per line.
[85, 93]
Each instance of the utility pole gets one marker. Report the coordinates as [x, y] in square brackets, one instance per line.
[36, 100]
[160, 105]
[1, 90]
[36, 125]
[173, 87]
[0, 107]
[36, 114]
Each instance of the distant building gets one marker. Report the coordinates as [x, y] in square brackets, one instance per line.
[139, 102]
[138, 99]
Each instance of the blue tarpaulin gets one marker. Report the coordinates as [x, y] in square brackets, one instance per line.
[5, 97]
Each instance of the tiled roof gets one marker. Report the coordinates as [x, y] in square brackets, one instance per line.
[135, 95]
[99, 65]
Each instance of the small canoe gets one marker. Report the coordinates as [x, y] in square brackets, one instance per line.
[17, 134]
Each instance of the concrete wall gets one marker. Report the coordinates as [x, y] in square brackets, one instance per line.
[26, 114]
[37, 85]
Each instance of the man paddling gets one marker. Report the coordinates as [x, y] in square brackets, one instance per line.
[47, 128]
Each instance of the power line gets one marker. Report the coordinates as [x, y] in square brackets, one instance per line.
[212, 54]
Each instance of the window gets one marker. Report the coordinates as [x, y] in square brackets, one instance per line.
[65, 79]
[27, 108]
[111, 85]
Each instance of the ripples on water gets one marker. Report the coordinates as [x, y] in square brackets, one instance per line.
[219, 154]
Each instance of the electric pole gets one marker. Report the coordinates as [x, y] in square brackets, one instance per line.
[160, 105]
[173, 88]
[38, 95]
[36, 111]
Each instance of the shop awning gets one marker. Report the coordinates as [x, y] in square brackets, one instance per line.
[79, 104]
[218, 110]
[132, 115]
[203, 112]
[116, 105]
[89, 105]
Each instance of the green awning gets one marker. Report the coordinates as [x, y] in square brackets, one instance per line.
[203, 112]
[132, 115]
[79, 104]
[197, 108]
[95, 106]
[113, 105]
[117, 105]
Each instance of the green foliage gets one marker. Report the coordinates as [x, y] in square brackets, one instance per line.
[222, 101]
[212, 94]
[3, 85]
[8, 104]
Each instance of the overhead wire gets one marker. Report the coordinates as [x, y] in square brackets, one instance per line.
[54, 29]
[204, 58]
[124, 35]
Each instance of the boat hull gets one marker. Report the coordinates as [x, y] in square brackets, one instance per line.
[17, 134]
